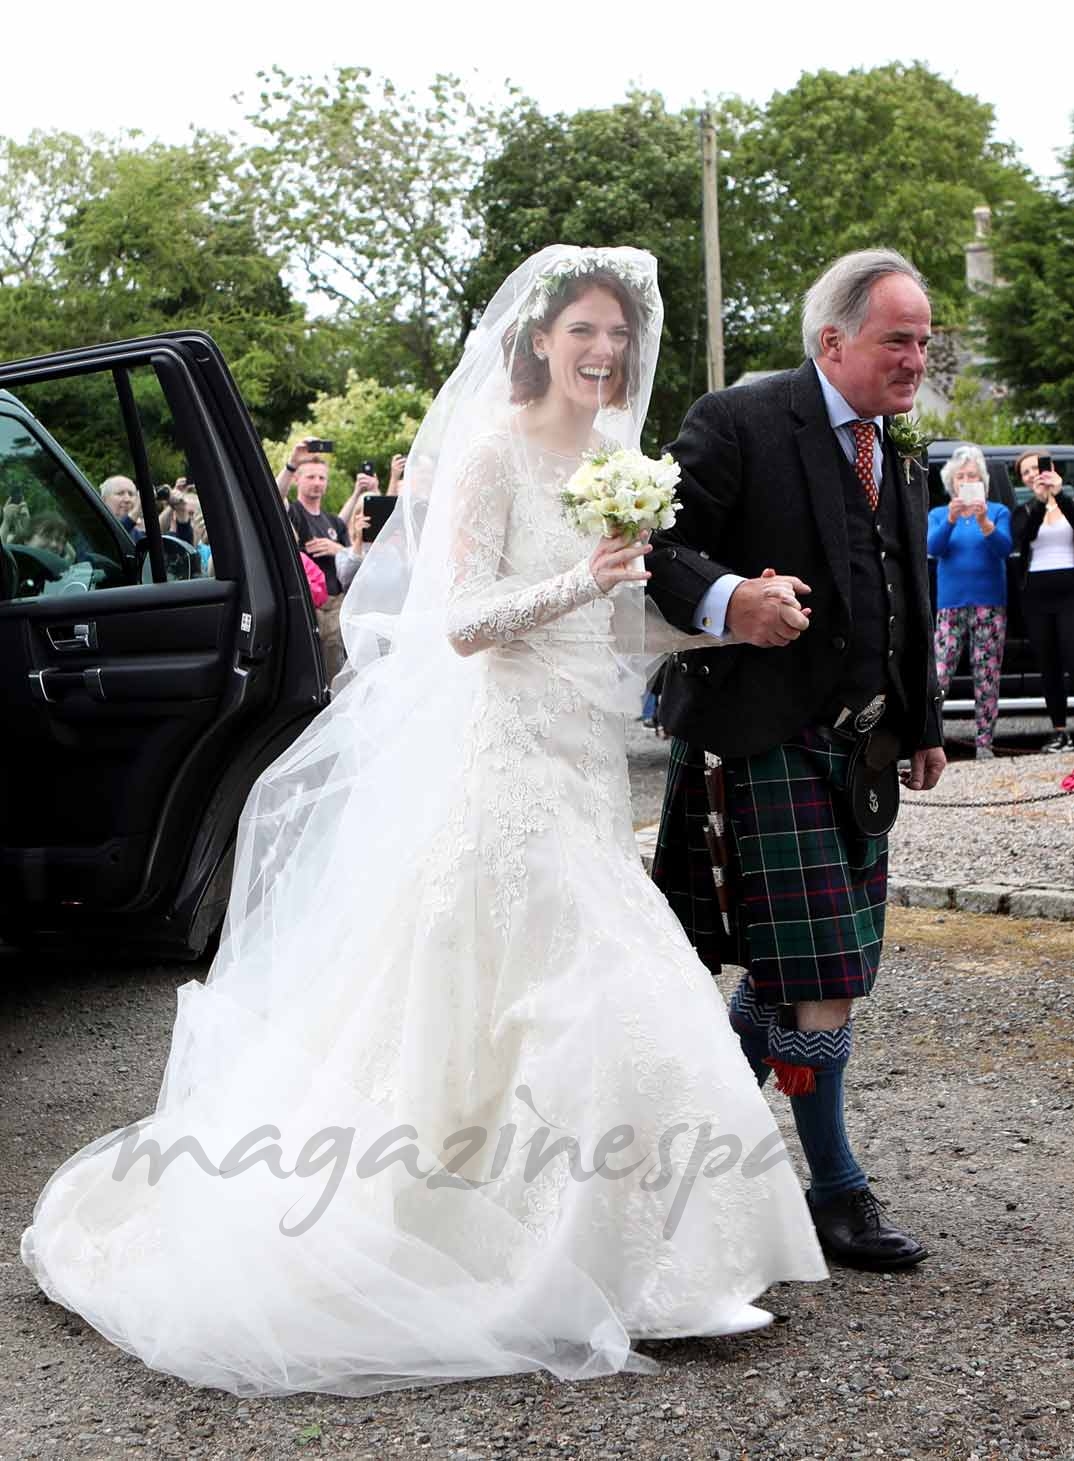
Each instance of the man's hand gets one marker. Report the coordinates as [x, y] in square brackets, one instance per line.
[322, 547]
[926, 768]
[765, 611]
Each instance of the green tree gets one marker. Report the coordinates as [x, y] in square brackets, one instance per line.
[890, 157]
[159, 238]
[978, 417]
[171, 240]
[370, 188]
[1028, 317]
[366, 420]
[628, 174]
[42, 181]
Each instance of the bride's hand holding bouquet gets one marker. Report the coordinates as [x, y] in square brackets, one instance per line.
[624, 496]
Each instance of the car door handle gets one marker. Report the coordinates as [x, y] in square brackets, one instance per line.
[49, 685]
[68, 637]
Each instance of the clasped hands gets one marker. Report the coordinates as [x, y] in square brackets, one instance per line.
[766, 611]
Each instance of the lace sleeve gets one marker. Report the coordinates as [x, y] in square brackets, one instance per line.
[482, 610]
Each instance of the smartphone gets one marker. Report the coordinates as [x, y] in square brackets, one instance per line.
[1044, 464]
[315, 444]
[369, 469]
[378, 510]
[971, 492]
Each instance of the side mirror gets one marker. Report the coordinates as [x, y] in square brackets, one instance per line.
[182, 561]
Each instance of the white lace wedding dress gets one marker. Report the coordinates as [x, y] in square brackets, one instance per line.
[530, 986]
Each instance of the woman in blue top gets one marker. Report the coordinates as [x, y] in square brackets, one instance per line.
[970, 539]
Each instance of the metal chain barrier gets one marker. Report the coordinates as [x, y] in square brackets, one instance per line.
[1018, 801]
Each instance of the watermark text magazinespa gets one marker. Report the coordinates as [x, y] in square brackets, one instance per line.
[710, 1154]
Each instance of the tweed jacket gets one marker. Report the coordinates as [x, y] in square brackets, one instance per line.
[762, 488]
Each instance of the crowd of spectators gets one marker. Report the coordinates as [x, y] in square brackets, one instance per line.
[331, 545]
[178, 511]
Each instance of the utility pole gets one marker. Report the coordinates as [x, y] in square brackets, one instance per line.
[710, 219]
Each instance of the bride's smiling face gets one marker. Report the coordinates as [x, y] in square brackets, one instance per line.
[586, 348]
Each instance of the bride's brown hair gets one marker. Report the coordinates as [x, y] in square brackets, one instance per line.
[529, 374]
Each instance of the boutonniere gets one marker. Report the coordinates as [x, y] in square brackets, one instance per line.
[909, 441]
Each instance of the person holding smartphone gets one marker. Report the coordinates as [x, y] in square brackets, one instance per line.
[366, 483]
[307, 449]
[1044, 536]
[970, 539]
[373, 506]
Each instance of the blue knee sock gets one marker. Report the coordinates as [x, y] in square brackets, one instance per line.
[755, 1049]
[818, 1116]
[750, 1019]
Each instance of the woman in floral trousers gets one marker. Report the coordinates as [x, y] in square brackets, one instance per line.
[970, 539]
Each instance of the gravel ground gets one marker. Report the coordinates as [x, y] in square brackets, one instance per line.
[960, 1105]
[1028, 843]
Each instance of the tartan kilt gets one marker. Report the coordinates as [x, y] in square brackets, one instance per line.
[808, 889]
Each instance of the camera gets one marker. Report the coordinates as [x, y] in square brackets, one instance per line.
[369, 469]
[163, 494]
[316, 444]
[1044, 464]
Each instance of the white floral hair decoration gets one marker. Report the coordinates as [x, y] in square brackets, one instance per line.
[574, 266]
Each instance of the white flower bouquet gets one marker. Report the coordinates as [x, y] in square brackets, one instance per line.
[622, 493]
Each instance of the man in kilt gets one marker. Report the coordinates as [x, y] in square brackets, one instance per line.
[802, 540]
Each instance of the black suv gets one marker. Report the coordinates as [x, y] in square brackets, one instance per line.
[146, 684]
[1020, 683]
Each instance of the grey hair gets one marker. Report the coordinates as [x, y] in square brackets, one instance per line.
[962, 456]
[113, 484]
[840, 297]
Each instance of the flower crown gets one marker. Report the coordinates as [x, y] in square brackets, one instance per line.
[587, 261]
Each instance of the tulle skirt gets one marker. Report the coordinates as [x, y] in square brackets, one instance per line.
[482, 1115]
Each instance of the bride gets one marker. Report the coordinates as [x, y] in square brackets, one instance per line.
[457, 1098]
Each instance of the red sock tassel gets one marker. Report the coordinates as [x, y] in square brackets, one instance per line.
[793, 1080]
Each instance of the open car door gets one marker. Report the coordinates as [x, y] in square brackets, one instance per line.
[147, 678]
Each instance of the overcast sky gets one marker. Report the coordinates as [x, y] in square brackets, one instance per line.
[160, 68]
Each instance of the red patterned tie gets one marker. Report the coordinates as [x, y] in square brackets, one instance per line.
[864, 439]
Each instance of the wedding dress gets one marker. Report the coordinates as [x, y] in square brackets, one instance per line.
[502, 1120]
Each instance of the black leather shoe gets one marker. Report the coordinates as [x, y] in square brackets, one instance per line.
[853, 1231]
[1059, 742]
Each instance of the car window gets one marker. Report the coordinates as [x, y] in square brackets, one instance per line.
[53, 539]
[71, 517]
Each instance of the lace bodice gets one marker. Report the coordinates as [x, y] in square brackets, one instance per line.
[520, 569]
[518, 565]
